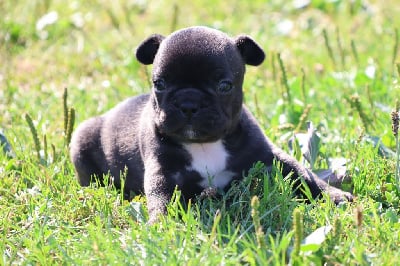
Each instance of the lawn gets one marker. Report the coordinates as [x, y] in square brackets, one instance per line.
[333, 63]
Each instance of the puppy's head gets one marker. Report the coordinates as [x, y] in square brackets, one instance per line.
[197, 81]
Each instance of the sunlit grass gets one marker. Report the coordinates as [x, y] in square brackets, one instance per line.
[339, 68]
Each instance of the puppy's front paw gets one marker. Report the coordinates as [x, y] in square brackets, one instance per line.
[209, 192]
[153, 220]
[157, 208]
[156, 216]
[338, 196]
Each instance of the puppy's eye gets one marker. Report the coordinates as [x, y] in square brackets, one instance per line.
[159, 84]
[224, 87]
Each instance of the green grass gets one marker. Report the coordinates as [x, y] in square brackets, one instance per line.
[47, 218]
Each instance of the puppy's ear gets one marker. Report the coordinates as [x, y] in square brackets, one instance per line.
[251, 52]
[147, 50]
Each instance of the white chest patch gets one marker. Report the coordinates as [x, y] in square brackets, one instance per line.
[209, 160]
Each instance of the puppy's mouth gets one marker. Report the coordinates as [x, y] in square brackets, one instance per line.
[204, 125]
[190, 133]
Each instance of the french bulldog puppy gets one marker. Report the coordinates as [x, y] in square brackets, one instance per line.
[192, 131]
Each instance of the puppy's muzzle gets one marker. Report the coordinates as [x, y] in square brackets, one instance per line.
[189, 102]
[188, 109]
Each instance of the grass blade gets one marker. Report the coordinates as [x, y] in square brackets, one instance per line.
[34, 134]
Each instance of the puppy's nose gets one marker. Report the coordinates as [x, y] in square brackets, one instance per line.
[188, 109]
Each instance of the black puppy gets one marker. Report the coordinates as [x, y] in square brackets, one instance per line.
[192, 131]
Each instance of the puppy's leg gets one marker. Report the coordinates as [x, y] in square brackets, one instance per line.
[316, 185]
[158, 195]
[86, 152]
